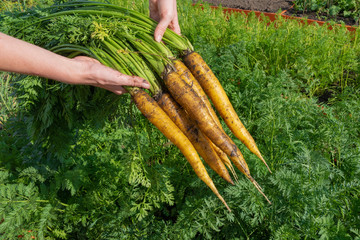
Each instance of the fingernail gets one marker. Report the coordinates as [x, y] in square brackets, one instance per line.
[146, 85]
[158, 38]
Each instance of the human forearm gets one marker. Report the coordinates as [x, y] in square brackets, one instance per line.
[22, 57]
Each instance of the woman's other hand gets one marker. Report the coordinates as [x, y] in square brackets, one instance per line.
[165, 12]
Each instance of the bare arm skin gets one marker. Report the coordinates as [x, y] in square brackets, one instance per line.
[21, 57]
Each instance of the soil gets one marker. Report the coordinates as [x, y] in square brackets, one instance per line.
[276, 6]
[255, 5]
[322, 17]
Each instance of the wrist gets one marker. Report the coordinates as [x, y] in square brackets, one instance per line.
[79, 73]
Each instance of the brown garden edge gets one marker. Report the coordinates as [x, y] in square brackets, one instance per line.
[274, 16]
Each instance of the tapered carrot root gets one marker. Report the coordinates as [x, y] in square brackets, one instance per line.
[202, 145]
[187, 98]
[224, 158]
[189, 78]
[153, 112]
[258, 187]
[191, 102]
[216, 93]
[227, 162]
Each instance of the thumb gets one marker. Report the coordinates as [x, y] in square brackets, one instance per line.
[161, 28]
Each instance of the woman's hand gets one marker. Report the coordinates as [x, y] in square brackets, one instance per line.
[165, 12]
[98, 75]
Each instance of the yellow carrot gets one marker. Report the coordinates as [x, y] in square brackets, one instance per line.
[153, 112]
[217, 94]
[196, 137]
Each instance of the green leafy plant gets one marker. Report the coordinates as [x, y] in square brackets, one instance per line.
[345, 8]
[110, 174]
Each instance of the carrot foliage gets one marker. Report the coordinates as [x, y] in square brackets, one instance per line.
[81, 163]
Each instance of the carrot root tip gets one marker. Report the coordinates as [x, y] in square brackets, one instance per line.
[263, 160]
[259, 188]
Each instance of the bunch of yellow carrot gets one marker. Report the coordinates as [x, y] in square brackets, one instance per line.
[178, 103]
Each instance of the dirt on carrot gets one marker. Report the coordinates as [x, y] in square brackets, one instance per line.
[196, 137]
[219, 98]
[153, 112]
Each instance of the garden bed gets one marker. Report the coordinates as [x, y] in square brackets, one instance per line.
[284, 6]
[303, 18]
[72, 170]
